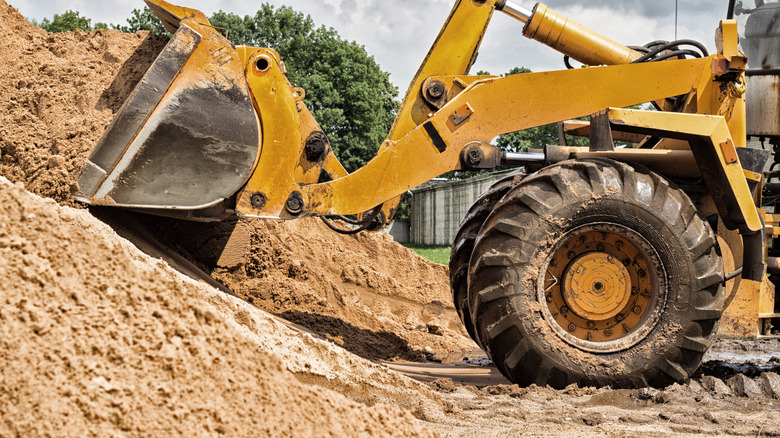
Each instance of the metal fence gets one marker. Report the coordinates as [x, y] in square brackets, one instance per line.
[438, 209]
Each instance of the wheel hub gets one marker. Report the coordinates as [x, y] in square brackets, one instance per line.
[602, 286]
[596, 286]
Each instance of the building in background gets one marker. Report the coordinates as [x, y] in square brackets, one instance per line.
[438, 207]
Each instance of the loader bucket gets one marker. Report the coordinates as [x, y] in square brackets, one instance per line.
[188, 136]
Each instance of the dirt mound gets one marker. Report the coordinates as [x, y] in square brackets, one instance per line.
[59, 92]
[365, 293]
[97, 341]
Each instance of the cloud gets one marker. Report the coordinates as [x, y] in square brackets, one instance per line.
[399, 33]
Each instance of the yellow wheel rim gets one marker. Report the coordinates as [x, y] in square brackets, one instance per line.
[601, 286]
[596, 286]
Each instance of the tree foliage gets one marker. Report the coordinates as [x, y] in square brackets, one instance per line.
[141, 19]
[69, 21]
[346, 90]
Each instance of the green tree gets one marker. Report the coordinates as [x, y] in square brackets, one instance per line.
[68, 21]
[142, 19]
[346, 90]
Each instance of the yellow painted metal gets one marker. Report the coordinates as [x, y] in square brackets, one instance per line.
[726, 98]
[713, 132]
[592, 292]
[276, 103]
[500, 105]
[308, 172]
[596, 286]
[576, 40]
[453, 84]
[453, 53]
[171, 15]
[727, 41]
[753, 176]
[731, 250]
[333, 166]
[766, 301]
[745, 300]
[740, 319]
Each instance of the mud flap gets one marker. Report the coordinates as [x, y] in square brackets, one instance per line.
[188, 136]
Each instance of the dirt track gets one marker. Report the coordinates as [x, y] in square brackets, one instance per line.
[100, 339]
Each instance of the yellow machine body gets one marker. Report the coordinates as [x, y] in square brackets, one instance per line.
[445, 113]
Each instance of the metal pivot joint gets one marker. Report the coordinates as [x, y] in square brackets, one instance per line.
[316, 146]
[294, 203]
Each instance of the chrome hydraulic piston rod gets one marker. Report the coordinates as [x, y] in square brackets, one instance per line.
[515, 11]
[567, 36]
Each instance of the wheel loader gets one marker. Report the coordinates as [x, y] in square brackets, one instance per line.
[612, 264]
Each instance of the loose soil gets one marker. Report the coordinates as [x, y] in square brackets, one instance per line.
[364, 292]
[375, 298]
[100, 339]
[59, 92]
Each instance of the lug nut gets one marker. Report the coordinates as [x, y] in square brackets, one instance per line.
[619, 317]
[591, 325]
[600, 247]
[572, 327]
[316, 146]
[258, 200]
[564, 309]
[637, 309]
[634, 291]
[608, 332]
[641, 272]
[474, 157]
[294, 203]
[435, 90]
[571, 254]
[626, 261]
[619, 244]
[549, 298]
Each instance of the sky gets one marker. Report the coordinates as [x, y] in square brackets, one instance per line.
[399, 33]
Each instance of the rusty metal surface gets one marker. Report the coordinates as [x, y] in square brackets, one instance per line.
[763, 105]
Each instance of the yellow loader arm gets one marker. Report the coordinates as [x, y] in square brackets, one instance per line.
[214, 128]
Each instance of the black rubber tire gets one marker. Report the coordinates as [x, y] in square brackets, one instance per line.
[463, 244]
[522, 231]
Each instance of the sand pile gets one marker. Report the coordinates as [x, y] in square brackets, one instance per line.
[99, 340]
[59, 92]
[366, 293]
